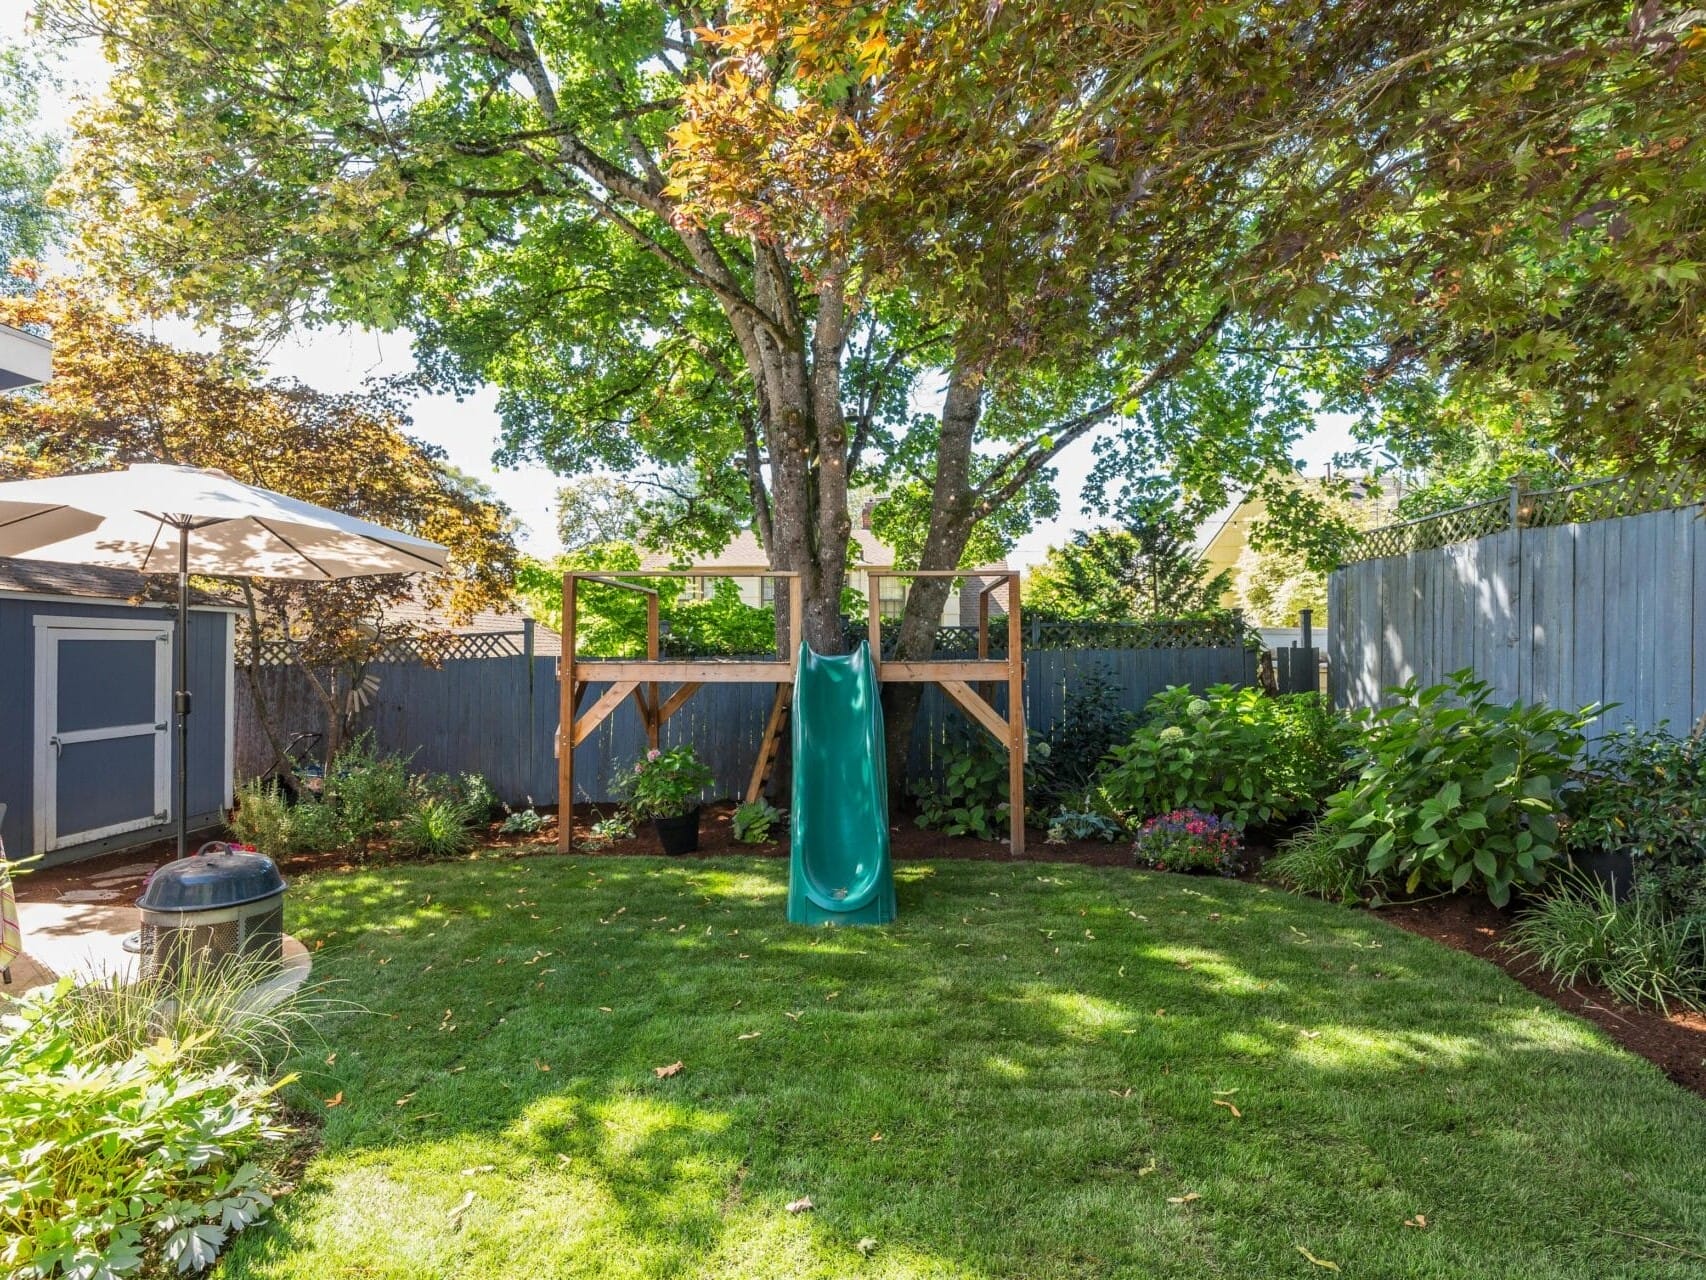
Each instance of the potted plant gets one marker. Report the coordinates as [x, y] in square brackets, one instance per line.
[665, 787]
[1639, 803]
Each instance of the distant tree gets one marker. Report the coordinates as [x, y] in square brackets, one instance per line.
[1273, 585]
[29, 159]
[597, 509]
[118, 396]
[1135, 574]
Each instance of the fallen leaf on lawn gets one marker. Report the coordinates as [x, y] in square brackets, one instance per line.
[1236, 1113]
[1224, 1093]
[1184, 1199]
[876, 1137]
[405, 1099]
[455, 1215]
[664, 1073]
[749, 1035]
[1420, 1221]
[795, 1017]
[331, 1058]
[832, 995]
[479, 1169]
[1146, 1170]
[1320, 1262]
[866, 1246]
[1126, 1093]
[336, 1100]
[562, 1158]
[604, 1008]
[543, 1066]
[1309, 1035]
[802, 1205]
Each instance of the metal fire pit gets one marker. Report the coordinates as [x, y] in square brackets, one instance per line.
[218, 906]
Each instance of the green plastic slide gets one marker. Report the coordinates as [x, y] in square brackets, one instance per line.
[840, 869]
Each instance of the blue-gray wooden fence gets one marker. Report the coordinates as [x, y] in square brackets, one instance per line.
[496, 717]
[1611, 612]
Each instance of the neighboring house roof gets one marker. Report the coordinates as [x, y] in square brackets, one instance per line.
[25, 359]
[91, 582]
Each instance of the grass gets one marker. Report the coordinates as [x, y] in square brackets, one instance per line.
[1024, 1077]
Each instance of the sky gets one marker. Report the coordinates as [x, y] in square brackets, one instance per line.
[467, 429]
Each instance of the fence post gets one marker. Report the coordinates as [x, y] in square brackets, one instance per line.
[1305, 620]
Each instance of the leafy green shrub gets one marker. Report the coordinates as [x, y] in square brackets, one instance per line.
[262, 817]
[971, 798]
[1067, 825]
[435, 828]
[1235, 752]
[1090, 724]
[1456, 788]
[1641, 791]
[522, 822]
[666, 784]
[317, 826]
[468, 791]
[1632, 949]
[113, 1164]
[1188, 840]
[367, 789]
[1312, 862]
[754, 820]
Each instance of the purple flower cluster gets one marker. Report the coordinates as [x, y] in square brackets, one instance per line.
[1189, 840]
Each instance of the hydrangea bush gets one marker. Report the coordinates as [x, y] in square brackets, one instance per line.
[1188, 840]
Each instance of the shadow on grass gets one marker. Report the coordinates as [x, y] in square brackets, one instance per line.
[1025, 1076]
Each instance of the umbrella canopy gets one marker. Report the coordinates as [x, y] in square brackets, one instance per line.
[164, 519]
[130, 519]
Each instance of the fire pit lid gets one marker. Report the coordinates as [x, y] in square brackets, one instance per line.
[210, 880]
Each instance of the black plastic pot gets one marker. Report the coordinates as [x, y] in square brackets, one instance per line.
[1613, 868]
[678, 835]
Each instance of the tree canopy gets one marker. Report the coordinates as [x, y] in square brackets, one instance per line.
[29, 160]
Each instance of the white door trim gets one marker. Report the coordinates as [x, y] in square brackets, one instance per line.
[48, 633]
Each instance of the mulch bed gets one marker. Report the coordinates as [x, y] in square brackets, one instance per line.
[1674, 1042]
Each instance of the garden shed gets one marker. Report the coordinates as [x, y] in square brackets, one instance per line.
[87, 752]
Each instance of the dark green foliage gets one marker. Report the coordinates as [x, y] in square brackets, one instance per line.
[522, 822]
[1633, 948]
[367, 790]
[1233, 752]
[469, 790]
[1641, 791]
[971, 798]
[1090, 724]
[1455, 788]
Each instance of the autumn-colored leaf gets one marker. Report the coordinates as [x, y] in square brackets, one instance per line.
[1320, 1262]
[1184, 1199]
[1420, 1221]
[673, 1069]
[455, 1215]
[749, 1035]
[866, 1246]
[802, 1205]
[1236, 1113]
[336, 1100]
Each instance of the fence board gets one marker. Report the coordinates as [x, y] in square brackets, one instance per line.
[1612, 611]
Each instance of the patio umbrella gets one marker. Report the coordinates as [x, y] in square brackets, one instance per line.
[156, 518]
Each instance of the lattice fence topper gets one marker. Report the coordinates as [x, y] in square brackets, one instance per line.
[1537, 509]
[424, 649]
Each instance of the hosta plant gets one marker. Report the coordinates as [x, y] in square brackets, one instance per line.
[754, 821]
[111, 1166]
[1456, 788]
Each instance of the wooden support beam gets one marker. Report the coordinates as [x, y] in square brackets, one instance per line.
[975, 707]
[600, 711]
[967, 669]
[649, 704]
[568, 703]
[772, 741]
[648, 717]
[687, 670]
[1017, 743]
[676, 700]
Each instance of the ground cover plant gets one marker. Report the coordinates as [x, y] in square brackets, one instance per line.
[634, 1067]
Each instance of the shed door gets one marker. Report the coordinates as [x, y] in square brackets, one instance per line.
[103, 715]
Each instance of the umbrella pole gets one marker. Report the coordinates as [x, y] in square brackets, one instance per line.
[181, 697]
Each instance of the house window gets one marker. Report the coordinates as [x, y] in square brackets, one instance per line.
[767, 591]
[694, 588]
[891, 598]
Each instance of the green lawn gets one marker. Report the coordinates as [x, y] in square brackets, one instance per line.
[1020, 1078]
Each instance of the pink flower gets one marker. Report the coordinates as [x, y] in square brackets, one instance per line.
[653, 754]
[639, 767]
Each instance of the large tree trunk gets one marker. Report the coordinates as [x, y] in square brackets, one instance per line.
[952, 518]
